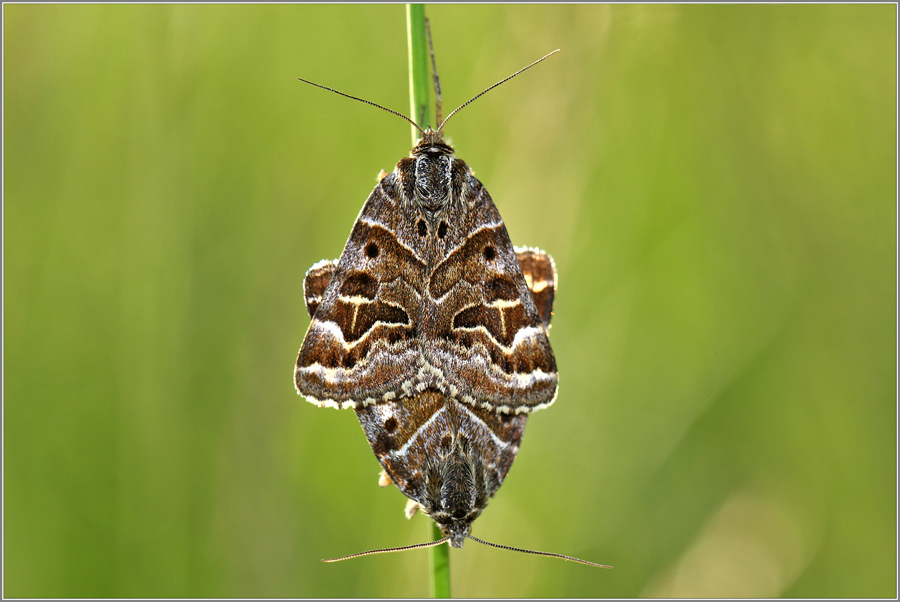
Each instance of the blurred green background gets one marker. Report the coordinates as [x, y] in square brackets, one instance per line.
[716, 183]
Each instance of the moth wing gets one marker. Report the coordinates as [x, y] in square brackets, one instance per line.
[395, 434]
[539, 271]
[315, 283]
[408, 435]
[491, 344]
[360, 347]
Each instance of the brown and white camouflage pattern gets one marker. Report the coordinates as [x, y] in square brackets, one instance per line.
[433, 327]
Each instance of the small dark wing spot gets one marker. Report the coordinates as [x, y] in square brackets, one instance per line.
[442, 230]
[422, 228]
[489, 253]
[372, 250]
[390, 425]
[383, 444]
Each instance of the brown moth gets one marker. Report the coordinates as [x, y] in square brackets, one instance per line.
[434, 329]
[428, 293]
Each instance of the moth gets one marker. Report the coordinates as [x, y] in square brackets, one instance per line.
[434, 329]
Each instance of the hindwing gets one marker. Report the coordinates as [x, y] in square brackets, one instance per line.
[539, 271]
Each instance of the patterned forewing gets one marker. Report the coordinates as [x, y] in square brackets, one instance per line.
[361, 344]
[488, 339]
[401, 433]
[410, 434]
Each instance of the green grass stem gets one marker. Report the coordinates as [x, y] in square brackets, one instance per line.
[419, 84]
[440, 566]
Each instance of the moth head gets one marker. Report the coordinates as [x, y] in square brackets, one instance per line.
[431, 144]
[431, 140]
[457, 532]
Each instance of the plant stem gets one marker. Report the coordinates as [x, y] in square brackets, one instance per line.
[418, 66]
[440, 566]
[419, 85]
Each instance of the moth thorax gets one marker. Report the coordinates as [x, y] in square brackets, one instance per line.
[433, 182]
[431, 177]
[455, 494]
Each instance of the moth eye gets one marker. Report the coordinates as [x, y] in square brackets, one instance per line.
[372, 250]
[423, 230]
[442, 230]
[489, 253]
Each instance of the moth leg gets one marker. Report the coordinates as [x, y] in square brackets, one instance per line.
[384, 479]
[315, 283]
[540, 276]
[412, 506]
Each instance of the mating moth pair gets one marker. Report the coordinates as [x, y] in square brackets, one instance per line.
[433, 328]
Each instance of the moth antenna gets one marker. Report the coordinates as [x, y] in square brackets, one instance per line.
[416, 546]
[437, 81]
[564, 557]
[368, 102]
[502, 81]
